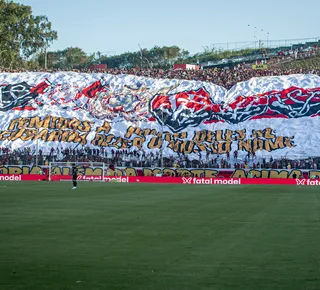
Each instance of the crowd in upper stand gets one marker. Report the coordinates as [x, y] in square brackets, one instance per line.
[222, 77]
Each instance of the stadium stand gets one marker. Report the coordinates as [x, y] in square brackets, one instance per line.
[222, 77]
[219, 76]
[123, 158]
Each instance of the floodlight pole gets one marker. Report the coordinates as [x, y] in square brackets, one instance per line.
[141, 56]
[45, 59]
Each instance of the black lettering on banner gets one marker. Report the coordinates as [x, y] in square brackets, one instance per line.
[239, 173]
[169, 172]
[197, 172]
[18, 123]
[74, 124]
[255, 173]
[257, 134]
[211, 173]
[229, 135]
[278, 174]
[210, 137]
[107, 140]
[54, 136]
[219, 134]
[13, 124]
[93, 171]
[97, 140]
[257, 144]
[268, 133]
[130, 132]
[150, 172]
[105, 128]
[16, 135]
[289, 142]
[29, 135]
[182, 135]
[174, 145]
[75, 137]
[241, 134]
[139, 132]
[297, 172]
[224, 147]
[315, 173]
[264, 173]
[167, 136]
[64, 136]
[244, 145]
[62, 124]
[213, 148]
[85, 126]
[118, 143]
[36, 122]
[4, 135]
[155, 143]
[138, 142]
[271, 145]
[199, 136]
[200, 147]
[53, 122]
[60, 129]
[130, 171]
[186, 147]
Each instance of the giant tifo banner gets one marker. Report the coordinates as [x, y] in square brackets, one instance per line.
[276, 116]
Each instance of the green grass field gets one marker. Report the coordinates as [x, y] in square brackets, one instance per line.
[139, 236]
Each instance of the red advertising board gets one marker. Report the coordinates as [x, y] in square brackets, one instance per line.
[166, 180]
[172, 172]
[22, 177]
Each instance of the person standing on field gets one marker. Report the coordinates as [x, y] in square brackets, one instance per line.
[74, 172]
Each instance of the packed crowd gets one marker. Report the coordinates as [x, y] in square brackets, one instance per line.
[123, 158]
[293, 54]
[222, 77]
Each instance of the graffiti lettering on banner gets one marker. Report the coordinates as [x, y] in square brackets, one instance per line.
[122, 113]
[214, 142]
[59, 129]
[50, 128]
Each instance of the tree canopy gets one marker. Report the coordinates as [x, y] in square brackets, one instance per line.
[75, 57]
[24, 38]
[22, 34]
[155, 57]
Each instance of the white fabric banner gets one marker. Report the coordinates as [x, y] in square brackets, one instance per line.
[275, 116]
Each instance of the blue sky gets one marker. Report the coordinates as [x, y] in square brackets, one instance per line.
[119, 26]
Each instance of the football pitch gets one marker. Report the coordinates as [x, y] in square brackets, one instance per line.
[148, 236]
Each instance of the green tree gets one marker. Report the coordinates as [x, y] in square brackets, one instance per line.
[22, 34]
[75, 56]
[69, 58]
